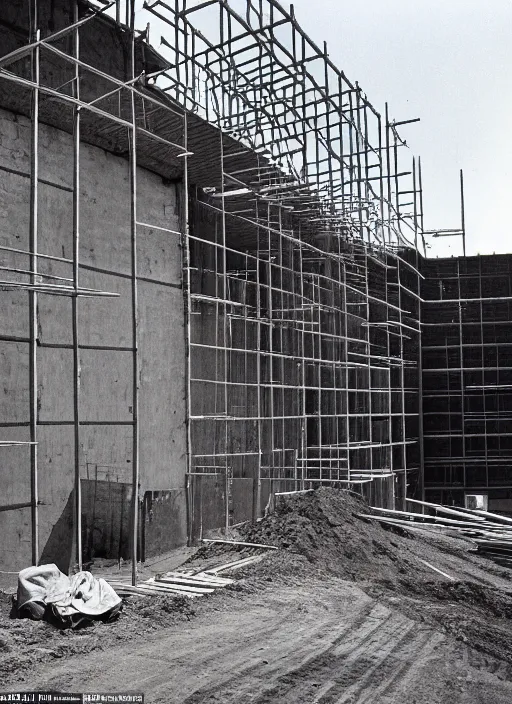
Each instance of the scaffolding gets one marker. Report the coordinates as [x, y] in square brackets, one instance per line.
[302, 278]
[302, 233]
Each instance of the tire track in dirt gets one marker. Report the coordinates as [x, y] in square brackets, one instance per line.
[399, 676]
[391, 666]
[306, 651]
[223, 649]
[362, 647]
[241, 666]
[366, 655]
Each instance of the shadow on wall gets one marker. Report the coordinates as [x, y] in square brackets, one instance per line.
[59, 546]
[106, 521]
[105, 525]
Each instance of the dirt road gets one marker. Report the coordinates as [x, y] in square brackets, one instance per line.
[324, 642]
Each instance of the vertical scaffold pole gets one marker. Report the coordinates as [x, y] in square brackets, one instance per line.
[34, 176]
[135, 314]
[462, 213]
[74, 299]
[187, 304]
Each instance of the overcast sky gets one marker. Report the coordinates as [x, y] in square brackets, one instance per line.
[448, 62]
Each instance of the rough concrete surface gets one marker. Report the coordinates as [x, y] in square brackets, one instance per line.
[105, 337]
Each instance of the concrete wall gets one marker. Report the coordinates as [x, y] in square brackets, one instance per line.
[105, 337]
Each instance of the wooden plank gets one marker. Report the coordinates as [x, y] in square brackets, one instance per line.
[437, 570]
[237, 542]
[208, 577]
[128, 590]
[445, 509]
[289, 493]
[176, 592]
[187, 582]
[236, 565]
[198, 577]
[496, 516]
[151, 586]
[422, 517]
[413, 525]
[181, 588]
[147, 590]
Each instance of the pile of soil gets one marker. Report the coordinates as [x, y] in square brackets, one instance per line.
[323, 527]
[494, 602]
[326, 532]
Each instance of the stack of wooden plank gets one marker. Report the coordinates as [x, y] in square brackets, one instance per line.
[491, 532]
[187, 583]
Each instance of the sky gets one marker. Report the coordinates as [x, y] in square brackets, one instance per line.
[448, 62]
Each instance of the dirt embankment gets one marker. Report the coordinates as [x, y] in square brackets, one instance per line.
[323, 526]
[322, 532]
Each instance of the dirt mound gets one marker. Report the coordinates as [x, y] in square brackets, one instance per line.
[494, 602]
[476, 614]
[323, 527]
[397, 579]
[327, 531]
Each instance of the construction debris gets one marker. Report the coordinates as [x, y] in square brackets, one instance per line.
[333, 567]
[490, 532]
[238, 542]
[186, 583]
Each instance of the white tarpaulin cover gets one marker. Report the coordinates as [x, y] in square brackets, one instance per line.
[80, 594]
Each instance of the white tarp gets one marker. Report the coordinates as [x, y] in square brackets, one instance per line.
[81, 593]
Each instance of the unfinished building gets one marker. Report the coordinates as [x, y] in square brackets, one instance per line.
[467, 379]
[214, 286]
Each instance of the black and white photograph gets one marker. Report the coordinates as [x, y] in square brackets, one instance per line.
[255, 352]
